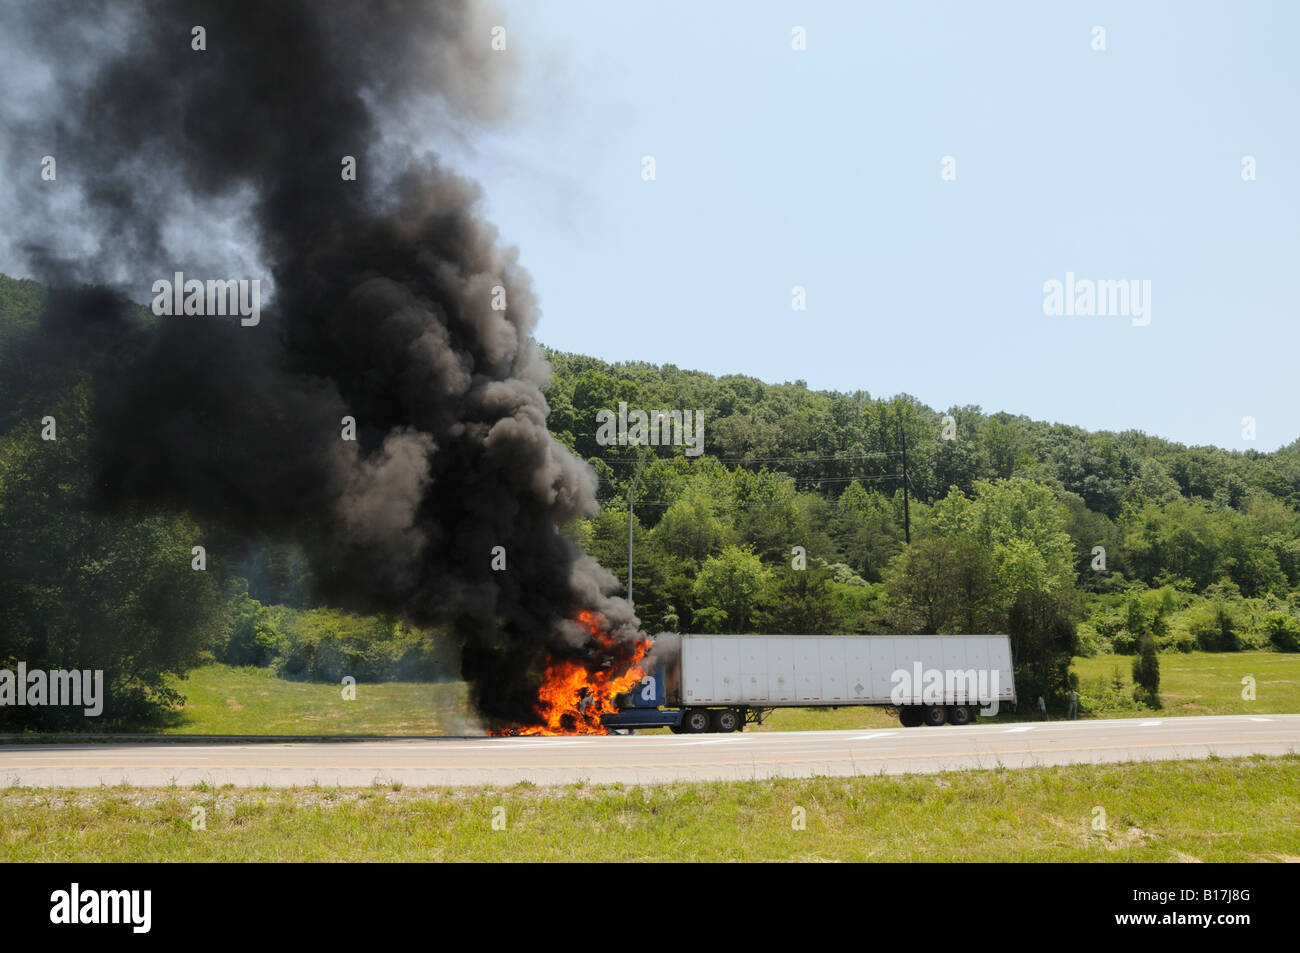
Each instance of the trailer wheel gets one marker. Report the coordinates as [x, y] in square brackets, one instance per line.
[959, 715]
[934, 715]
[726, 720]
[909, 716]
[696, 721]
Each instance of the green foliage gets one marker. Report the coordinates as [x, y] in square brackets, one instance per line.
[860, 610]
[1283, 631]
[710, 620]
[732, 582]
[252, 636]
[692, 528]
[1101, 695]
[327, 644]
[82, 590]
[1215, 629]
[1005, 519]
[797, 601]
[1146, 673]
[1092, 642]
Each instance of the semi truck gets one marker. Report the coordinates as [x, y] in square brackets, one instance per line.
[702, 683]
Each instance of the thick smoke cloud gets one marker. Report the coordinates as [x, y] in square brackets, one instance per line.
[207, 161]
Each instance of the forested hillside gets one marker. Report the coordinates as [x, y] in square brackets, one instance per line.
[1046, 531]
[792, 520]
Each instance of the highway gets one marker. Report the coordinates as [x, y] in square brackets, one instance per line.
[752, 755]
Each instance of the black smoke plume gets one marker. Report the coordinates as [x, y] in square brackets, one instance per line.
[226, 163]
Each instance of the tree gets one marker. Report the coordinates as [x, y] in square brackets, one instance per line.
[797, 602]
[865, 531]
[1000, 561]
[943, 584]
[1146, 673]
[731, 582]
[87, 591]
[251, 635]
[692, 528]
[766, 515]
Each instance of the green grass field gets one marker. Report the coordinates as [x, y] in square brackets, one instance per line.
[250, 701]
[220, 699]
[1208, 683]
[1216, 810]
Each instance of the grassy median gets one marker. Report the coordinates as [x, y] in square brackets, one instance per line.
[1240, 809]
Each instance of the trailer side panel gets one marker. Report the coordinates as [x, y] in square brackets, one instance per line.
[793, 670]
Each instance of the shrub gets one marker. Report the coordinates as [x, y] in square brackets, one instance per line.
[1124, 642]
[251, 634]
[1102, 696]
[1283, 631]
[1215, 630]
[326, 644]
[1146, 674]
[1092, 642]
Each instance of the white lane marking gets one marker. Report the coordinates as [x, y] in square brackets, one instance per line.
[1011, 731]
[711, 741]
[1148, 724]
[878, 734]
[1261, 719]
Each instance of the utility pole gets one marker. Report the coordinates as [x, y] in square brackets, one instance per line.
[631, 498]
[631, 495]
[907, 516]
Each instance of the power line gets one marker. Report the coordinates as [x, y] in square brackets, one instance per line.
[734, 504]
[847, 458]
[812, 458]
[873, 478]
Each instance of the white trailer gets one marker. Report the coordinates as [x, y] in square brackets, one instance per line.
[721, 682]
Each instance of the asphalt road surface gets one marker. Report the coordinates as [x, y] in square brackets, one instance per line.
[647, 758]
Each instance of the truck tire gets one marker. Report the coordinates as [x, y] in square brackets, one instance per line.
[909, 716]
[696, 721]
[727, 720]
[934, 715]
[959, 715]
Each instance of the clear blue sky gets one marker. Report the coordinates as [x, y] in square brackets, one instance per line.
[822, 168]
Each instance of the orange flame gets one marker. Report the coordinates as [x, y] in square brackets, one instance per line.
[573, 696]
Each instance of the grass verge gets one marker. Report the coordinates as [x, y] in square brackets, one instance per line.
[1216, 810]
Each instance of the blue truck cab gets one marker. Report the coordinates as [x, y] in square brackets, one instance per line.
[641, 707]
